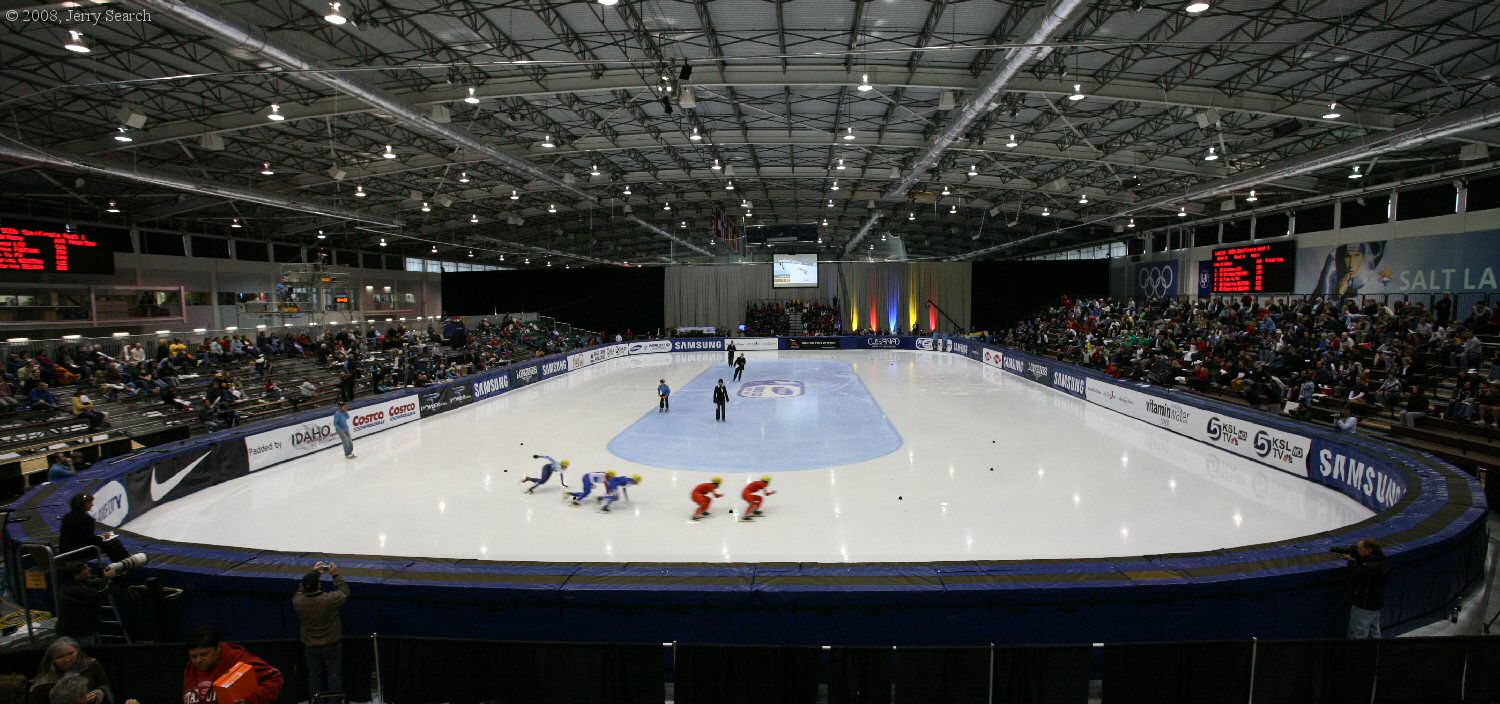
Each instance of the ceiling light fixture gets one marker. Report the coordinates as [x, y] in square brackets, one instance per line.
[1077, 92]
[515, 196]
[1333, 112]
[463, 177]
[1012, 144]
[952, 210]
[389, 153]
[265, 168]
[848, 134]
[627, 190]
[1046, 212]
[945, 190]
[1131, 223]
[1083, 199]
[840, 167]
[434, 249]
[830, 202]
[911, 215]
[382, 241]
[112, 208]
[472, 99]
[716, 166]
[322, 236]
[682, 225]
[835, 185]
[551, 207]
[729, 186]
[234, 223]
[695, 136]
[474, 218]
[1196, 7]
[1183, 212]
[606, 3]
[1211, 155]
[864, 83]
[275, 114]
[334, 16]
[666, 206]
[1355, 173]
[359, 191]
[123, 135]
[425, 207]
[973, 170]
[1252, 197]
[594, 170]
[825, 222]
[547, 142]
[76, 42]
[471, 254]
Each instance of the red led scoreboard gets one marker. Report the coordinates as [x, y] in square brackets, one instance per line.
[1255, 268]
[53, 252]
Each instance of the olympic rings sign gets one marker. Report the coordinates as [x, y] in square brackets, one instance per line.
[1156, 279]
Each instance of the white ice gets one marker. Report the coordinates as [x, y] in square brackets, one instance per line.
[1068, 480]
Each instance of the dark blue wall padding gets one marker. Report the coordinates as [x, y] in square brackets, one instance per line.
[1434, 536]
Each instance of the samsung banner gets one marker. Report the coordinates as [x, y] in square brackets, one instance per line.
[491, 384]
[710, 343]
[1458, 262]
[1368, 479]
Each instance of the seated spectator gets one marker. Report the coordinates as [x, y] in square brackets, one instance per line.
[208, 416]
[83, 408]
[307, 392]
[272, 391]
[1488, 401]
[1346, 422]
[62, 659]
[1416, 407]
[61, 468]
[209, 659]
[43, 400]
[8, 400]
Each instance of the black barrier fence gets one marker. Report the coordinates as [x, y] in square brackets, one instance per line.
[417, 671]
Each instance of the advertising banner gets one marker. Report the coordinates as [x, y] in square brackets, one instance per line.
[873, 343]
[708, 343]
[171, 478]
[1280, 449]
[491, 384]
[1458, 262]
[1368, 479]
[812, 343]
[553, 367]
[379, 416]
[926, 344]
[596, 355]
[290, 442]
[993, 357]
[526, 375]
[1115, 397]
[649, 347]
[445, 398]
[1156, 279]
[1068, 382]
[756, 344]
[969, 349]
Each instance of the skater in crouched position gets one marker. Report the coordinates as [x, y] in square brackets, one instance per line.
[701, 494]
[615, 487]
[547, 471]
[752, 495]
[591, 480]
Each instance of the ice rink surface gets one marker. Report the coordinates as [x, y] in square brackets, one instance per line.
[985, 466]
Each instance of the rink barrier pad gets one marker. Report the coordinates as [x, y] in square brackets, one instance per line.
[1434, 533]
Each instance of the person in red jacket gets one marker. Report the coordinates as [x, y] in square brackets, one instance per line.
[209, 659]
[751, 495]
[700, 497]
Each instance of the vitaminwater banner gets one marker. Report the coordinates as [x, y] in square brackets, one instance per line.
[1441, 263]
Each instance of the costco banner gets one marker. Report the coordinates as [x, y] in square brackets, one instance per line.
[293, 441]
[379, 416]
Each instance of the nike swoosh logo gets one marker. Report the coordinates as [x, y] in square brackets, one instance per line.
[161, 489]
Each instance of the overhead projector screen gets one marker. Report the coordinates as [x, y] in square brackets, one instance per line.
[794, 271]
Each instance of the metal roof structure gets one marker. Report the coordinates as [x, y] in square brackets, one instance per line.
[412, 119]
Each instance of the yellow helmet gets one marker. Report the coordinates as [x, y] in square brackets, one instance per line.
[564, 463]
[716, 480]
[636, 478]
[766, 478]
[610, 473]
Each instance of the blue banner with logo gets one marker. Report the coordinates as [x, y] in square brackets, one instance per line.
[1375, 482]
[492, 384]
[1066, 381]
[1156, 279]
[526, 375]
[553, 366]
[441, 399]
[698, 344]
[1206, 278]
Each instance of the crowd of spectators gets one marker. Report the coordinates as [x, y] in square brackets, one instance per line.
[774, 317]
[1291, 355]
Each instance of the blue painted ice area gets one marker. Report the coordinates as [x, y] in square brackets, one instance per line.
[784, 415]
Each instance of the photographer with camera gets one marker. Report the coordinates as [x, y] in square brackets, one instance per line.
[79, 599]
[1367, 572]
[322, 630]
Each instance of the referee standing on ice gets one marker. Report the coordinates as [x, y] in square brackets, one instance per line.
[721, 397]
[664, 393]
[739, 367]
[731, 349]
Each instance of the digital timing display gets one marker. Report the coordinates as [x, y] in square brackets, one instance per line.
[1255, 268]
[53, 252]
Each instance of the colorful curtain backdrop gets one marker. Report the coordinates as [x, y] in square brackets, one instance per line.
[873, 295]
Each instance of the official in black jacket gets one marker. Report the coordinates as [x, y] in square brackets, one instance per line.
[721, 398]
[77, 530]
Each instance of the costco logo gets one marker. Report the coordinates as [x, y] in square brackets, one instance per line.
[401, 411]
[364, 419]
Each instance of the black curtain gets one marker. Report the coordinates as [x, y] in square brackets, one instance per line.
[1328, 672]
[859, 675]
[1043, 675]
[605, 299]
[415, 671]
[1003, 293]
[949, 675]
[1190, 673]
[711, 674]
